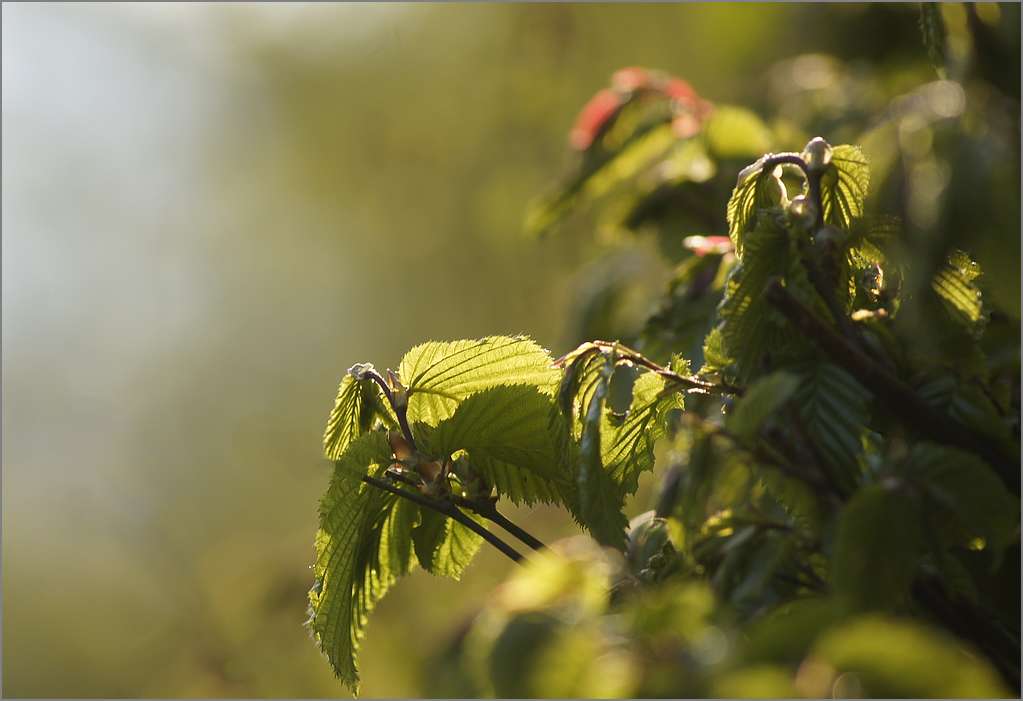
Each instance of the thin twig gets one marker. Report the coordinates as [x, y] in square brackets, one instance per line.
[668, 374]
[491, 513]
[483, 507]
[449, 510]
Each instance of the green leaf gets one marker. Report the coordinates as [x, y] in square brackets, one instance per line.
[600, 499]
[835, 408]
[357, 404]
[900, 659]
[627, 449]
[640, 149]
[749, 327]
[761, 400]
[734, 132]
[361, 548]
[955, 285]
[507, 435]
[440, 375]
[877, 547]
[444, 546]
[844, 186]
[757, 188]
[972, 502]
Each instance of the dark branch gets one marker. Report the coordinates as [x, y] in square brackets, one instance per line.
[449, 510]
[898, 397]
[488, 510]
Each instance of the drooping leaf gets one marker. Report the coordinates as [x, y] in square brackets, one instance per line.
[877, 547]
[971, 500]
[444, 546]
[644, 146]
[440, 375]
[600, 500]
[844, 186]
[361, 548]
[760, 402]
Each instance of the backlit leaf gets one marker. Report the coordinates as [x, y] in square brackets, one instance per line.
[360, 552]
[440, 375]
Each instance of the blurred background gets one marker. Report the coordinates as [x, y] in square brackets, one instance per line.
[211, 211]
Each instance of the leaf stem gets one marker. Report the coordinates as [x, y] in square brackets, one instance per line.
[399, 411]
[448, 509]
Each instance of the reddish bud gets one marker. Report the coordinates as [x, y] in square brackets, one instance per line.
[702, 245]
[631, 79]
[593, 117]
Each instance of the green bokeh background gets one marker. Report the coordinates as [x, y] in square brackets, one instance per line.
[209, 213]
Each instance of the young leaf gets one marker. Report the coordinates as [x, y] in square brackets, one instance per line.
[355, 561]
[757, 188]
[507, 435]
[440, 375]
[358, 403]
[877, 547]
[844, 186]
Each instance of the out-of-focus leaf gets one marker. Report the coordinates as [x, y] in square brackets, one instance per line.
[972, 501]
[877, 547]
[756, 682]
[785, 634]
[735, 132]
[760, 402]
[440, 375]
[644, 148]
[900, 659]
